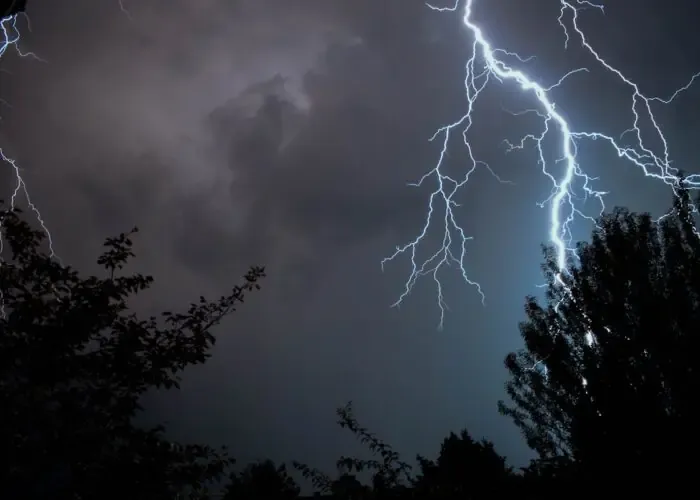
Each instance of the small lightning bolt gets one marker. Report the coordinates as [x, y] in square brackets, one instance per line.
[10, 37]
[9, 40]
[124, 10]
[486, 64]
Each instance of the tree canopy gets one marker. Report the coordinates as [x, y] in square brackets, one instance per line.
[603, 389]
[606, 384]
[74, 363]
[464, 467]
[262, 480]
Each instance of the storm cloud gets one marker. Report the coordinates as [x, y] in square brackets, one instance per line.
[284, 134]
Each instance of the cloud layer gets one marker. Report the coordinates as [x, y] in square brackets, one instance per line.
[283, 133]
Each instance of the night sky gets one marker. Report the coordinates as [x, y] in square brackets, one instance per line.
[284, 133]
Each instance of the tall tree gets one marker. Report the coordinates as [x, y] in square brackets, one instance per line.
[74, 363]
[606, 385]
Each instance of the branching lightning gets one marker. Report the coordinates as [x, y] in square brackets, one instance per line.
[487, 64]
[9, 40]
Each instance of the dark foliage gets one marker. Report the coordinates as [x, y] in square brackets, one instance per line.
[390, 475]
[262, 480]
[74, 362]
[463, 469]
[605, 389]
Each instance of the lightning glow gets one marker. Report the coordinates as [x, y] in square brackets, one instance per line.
[9, 40]
[488, 64]
[10, 36]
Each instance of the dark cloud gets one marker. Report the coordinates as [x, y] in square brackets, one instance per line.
[283, 133]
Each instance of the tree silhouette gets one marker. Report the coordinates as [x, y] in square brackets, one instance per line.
[262, 480]
[389, 472]
[391, 477]
[464, 468]
[348, 487]
[605, 388]
[74, 362]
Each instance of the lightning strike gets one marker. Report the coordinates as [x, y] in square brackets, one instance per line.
[9, 40]
[125, 11]
[10, 37]
[488, 64]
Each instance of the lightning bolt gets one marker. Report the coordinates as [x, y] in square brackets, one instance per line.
[488, 64]
[9, 39]
[124, 10]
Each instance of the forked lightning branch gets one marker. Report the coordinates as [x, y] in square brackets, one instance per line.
[490, 65]
[487, 65]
